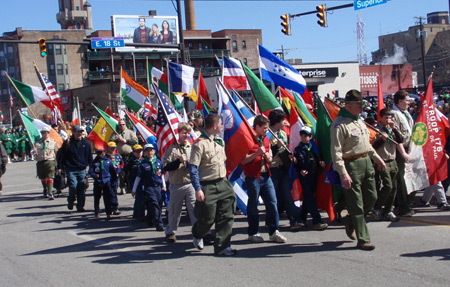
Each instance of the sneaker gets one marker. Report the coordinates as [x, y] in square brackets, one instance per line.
[320, 226]
[209, 238]
[256, 238]
[277, 237]
[116, 212]
[198, 243]
[81, 210]
[367, 246]
[227, 252]
[423, 203]
[349, 229]
[409, 213]
[109, 217]
[159, 228]
[391, 217]
[171, 238]
[376, 214]
[51, 197]
[443, 206]
[297, 226]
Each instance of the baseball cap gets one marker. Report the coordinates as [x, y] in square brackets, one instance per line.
[45, 129]
[99, 149]
[77, 129]
[112, 144]
[306, 130]
[148, 146]
[137, 147]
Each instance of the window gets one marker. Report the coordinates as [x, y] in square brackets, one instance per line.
[65, 50]
[190, 45]
[59, 69]
[206, 46]
[60, 87]
[50, 49]
[78, 26]
[67, 86]
[77, 8]
[202, 64]
[12, 72]
[58, 49]
[244, 45]
[200, 46]
[67, 69]
[245, 61]
[52, 69]
[235, 46]
[208, 64]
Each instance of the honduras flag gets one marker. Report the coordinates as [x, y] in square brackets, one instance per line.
[277, 71]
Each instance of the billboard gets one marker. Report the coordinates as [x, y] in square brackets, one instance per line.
[146, 29]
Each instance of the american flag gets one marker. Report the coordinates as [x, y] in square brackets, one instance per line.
[149, 110]
[55, 102]
[166, 128]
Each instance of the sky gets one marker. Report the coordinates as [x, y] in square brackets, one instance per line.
[309, 41]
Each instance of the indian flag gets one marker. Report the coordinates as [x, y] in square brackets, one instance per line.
[133, 94]
[34, 127]
[428, 164]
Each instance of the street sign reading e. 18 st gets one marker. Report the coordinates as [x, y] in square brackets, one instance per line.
[361, 4]
[107, 42]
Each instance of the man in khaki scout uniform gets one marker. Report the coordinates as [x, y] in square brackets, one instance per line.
[46, 150]
[404, 123]
[213, 192]
[351, 152]
[181, 189]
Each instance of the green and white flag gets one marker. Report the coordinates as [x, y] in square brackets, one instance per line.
[31, 94]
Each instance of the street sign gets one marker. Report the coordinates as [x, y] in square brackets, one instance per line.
[107, 42]
[361, 4]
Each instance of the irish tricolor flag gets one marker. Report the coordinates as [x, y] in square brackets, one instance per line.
[133, 94]
[428, 164]
[31, 94]
[34, 127]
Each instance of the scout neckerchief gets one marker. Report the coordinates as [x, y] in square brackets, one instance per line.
[261, 140]
[183, 148]
[280, 136]
[218, 140]
[388, 131]
[403, 118]
[344, 113]
[150, 161]
[310, 159]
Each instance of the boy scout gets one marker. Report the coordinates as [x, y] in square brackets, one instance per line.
[213, 192]
[386, 149]
[46, 150]
[351, 152]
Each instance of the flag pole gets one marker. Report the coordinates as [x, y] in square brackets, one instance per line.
[259, 62]
[20, 94]
[148, 79]
[168, 78]
[167, 118]
[199, 97]
[222, 65]
[251, 88]
[78, 109]
[120, 94]
[10, 107]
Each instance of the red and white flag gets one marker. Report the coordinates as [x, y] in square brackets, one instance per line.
[54, 102]
[428, 164]
[380, 98]
[234, 75]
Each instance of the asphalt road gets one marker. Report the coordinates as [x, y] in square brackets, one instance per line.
[42, 243]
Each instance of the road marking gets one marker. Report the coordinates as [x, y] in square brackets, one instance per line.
[421, 221]
[6, 192]
[106, 244]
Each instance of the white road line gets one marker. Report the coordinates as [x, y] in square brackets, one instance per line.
[106, 244]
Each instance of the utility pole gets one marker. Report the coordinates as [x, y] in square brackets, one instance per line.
[422, 44]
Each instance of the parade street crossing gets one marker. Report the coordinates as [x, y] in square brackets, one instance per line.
[45, 244]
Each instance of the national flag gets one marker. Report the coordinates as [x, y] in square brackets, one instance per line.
[110, 112]
[154, 75]
[296, 124]
[75, 118]
[2, 118]
[265, 99]
[149, 110]
[173, 98]
[332, 108]
[34, 127]
[132, 93]
[31, 94]
[146, 132]
[428, 164]
[202, 90]
[100, 134]
[48, 86]
[308, 98]
[297, 102]
[181, 78]
[166, 123]
[380, 98]
[277, 71]
[234, 75]
[109, 119]
[238, 136]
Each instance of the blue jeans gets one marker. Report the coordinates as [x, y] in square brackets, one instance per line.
[261, 186]
[76, 180]
[282, 184]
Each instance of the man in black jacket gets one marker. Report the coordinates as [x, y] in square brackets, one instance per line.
[75, 155]
[3, 162]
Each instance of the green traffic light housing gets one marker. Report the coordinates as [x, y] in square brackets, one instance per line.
[286, 30]
[322, 15]
[42, 47]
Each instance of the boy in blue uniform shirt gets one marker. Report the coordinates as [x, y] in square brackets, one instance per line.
[150, 173]
[102, 170]
[118, 163]
[131, 169]
[307, 162]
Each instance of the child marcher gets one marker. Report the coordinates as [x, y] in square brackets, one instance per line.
[131, 170]
[307, 162]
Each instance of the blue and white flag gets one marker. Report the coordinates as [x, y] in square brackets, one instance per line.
[181, 78]
[277, 71]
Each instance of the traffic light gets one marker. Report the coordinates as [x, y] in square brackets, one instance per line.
[42, 47]
[285, 24]
[322, 15]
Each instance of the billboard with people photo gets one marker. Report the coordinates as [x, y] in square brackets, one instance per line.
[145, 29]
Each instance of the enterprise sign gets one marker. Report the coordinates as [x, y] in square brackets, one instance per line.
[319, 73]
[361, 4]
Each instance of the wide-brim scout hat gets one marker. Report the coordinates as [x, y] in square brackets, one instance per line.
[353, 96]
